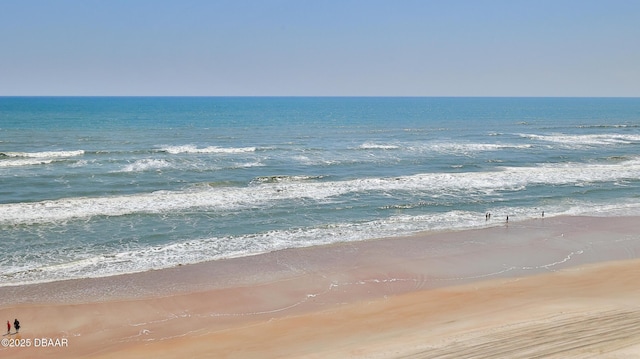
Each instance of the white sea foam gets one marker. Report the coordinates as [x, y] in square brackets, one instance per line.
[468, 148]
[446, 147]
[174, 150]
[577, 141]
[18, 159]
[24, 162]
[308, 161]
[147, 164]
[144, 258]
[375, 146]
[434, 185]
[198, 250]
[247, 164]
[283, 178]
[44, 155]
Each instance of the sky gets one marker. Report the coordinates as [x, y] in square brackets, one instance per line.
[320, 48]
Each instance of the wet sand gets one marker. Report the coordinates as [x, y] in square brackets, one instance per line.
[563, 287]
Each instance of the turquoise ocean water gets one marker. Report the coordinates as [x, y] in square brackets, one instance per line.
[102, 186]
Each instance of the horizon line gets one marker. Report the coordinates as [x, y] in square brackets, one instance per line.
[297, 96]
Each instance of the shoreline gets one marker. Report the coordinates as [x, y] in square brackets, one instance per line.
[240, 271]
[212, 307]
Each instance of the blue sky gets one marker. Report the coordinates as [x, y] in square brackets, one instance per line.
[320, 48]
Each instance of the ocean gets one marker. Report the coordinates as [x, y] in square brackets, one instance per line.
[99, 186]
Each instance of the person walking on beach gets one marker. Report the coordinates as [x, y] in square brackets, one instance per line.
[8, 327]
[16, 325]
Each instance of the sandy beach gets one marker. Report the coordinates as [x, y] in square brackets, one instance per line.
[554, 287]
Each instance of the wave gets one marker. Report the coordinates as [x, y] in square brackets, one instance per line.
[246, 165]
[375, 146]
[446, 147]
[143, 258]
[196, 250]
[576, 141]
[609, 126]
[24, 162]
[19, 159]
[272, 190]
[174, 150]
[43, 155]
[131, 260]
[154, 164]
[618, 158]
[146, 165]
[283, 178]
[470, 148]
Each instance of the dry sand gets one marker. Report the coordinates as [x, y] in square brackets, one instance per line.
[559, 287]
